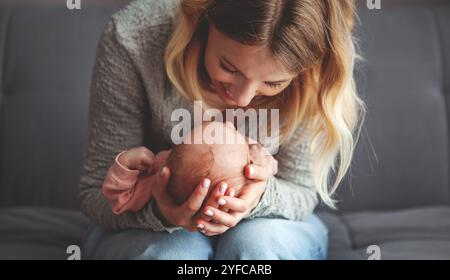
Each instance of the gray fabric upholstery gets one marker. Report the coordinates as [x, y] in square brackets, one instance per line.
[46, 56]
[397, 195]
[418, 233]
[402, 157]
[40, 233]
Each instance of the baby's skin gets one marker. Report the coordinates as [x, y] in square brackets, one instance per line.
[217, 158]
[214, 158]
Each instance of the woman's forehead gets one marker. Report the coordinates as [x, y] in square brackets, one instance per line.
[256, 62]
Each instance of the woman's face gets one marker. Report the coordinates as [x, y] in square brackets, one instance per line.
[238, 72]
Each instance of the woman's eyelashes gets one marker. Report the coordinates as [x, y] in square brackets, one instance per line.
[273, 85]
[227, 70]
[232, 72]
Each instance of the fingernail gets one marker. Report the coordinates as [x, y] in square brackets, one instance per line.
[223, 188]
[209, 213]
[206, 183]
[161, 173]
[251, 170]
[222, 201]
[201, 226]
[203, 231]
[232, 192]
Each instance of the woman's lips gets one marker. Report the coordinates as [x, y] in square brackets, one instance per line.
[225, 94]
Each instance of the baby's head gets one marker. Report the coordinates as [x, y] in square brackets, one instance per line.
[214, 158]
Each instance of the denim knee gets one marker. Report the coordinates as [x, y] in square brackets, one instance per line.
[274, 239]
[146, 244]
[179, 245]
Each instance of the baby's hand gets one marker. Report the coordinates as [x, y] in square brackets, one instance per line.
[139, 158]
[132, 191]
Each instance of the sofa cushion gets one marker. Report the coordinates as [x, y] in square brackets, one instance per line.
[46, 58]
[419, 233]
[402, 157]
[40, 233]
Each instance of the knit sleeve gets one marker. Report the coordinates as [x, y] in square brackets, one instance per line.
[290, 194]
[118, 111]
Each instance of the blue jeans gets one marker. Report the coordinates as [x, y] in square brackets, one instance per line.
[256, 239]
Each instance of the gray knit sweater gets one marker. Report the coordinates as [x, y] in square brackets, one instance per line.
[130, 105]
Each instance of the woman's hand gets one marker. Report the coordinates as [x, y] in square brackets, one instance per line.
[213, 221]
[173, 214]
[263, 164]
[224, 211]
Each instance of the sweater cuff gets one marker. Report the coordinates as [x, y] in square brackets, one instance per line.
[154, 222]
[266, 199]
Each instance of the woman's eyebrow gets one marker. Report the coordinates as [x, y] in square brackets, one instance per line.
[269, 82]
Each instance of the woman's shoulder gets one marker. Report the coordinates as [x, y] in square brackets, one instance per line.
[142, 14]
[142, 24]
[139, 33]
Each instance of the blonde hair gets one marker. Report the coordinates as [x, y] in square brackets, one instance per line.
[310, 37]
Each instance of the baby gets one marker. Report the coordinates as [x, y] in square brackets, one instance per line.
[221, 155]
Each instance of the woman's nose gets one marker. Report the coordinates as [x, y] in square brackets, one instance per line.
[245, 94]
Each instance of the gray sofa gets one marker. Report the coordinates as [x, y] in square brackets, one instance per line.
[396, 197]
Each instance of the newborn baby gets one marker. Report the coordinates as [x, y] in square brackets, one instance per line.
[221, 155]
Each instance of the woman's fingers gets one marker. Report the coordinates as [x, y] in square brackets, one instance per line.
[263, 161]
[166, 207]
[159, 189]
[231, 192]
[210, 229]
[160, 181]
[219, 190]
[234, 203]
[257, 172]
[251, 195]
[220, 217]
[180, 215]
[195, 201]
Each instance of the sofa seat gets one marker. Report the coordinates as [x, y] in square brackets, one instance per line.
[419, 233]
[40, 233]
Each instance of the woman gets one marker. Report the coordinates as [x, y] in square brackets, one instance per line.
[157, 56]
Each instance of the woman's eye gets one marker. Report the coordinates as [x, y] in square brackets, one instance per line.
[227, 70]
[273, 85]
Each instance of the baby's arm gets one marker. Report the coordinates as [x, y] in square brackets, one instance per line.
[125, 185]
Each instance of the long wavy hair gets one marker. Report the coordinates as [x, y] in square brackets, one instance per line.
[311, 38]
